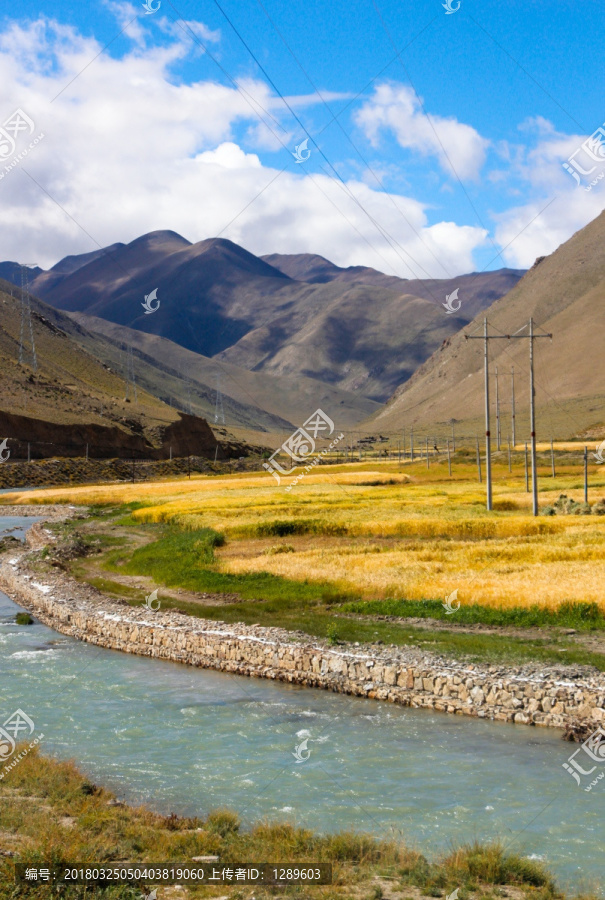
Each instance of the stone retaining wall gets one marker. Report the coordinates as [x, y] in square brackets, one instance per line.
[528, 695]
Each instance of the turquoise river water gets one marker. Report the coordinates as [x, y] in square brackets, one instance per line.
[190, 740]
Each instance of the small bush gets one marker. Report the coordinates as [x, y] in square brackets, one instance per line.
[223, 822]
[332, 633]
[283, 528]
[88, 788]
[24, 618]
[379, 482]
[505, 505]
[582, 509]
[490, 864]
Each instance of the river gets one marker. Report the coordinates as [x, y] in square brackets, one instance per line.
[188, 740]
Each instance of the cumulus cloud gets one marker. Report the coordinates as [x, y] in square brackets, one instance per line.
[397, 108]
[558, 206]
[129, 148]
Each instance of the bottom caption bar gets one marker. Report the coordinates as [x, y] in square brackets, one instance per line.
[175, 873]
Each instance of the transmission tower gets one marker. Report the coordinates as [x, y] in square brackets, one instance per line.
[219, 412]
[26, 318]
[129, 378]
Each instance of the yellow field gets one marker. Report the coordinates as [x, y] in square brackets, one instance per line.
[416, 535]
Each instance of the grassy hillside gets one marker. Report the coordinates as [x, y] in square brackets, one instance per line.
[70, 384]
[75, 393]
[252, 401]
[565, 294]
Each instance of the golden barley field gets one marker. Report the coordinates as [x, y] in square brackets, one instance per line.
[388, 530]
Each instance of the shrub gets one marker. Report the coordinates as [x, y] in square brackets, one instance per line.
[332, 633]
[284, 527]
[223, 822]
[24, 618]
[505, 505]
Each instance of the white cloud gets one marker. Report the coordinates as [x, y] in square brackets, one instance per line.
[129, 148]
[229, 156]
[558, 207]
[397, 108]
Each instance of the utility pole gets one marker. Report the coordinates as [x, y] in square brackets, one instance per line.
[428, 463]
[512, 375]
[497, 413]
[453, 437]
[479, 461]
[510, 467]
[585, 474]
[507, 337]
[488, 442]
[488, 437]
[532, 416]
[219, 412]
[449, 459]
[131, 384]
[26, 317]
[412, 444]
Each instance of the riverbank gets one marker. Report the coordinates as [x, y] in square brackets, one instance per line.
[561, 697]
[50, 813]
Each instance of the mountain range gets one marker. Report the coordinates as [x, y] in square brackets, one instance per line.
[289, 333]
[289, 316]
[564, 293]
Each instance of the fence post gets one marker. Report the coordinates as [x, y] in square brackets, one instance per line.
[526, 470]
[552, 457]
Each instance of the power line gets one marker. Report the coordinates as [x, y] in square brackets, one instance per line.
[430, 121]
[354, 146]
[394, 244]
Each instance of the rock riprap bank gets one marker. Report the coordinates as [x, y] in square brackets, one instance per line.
[530, 695]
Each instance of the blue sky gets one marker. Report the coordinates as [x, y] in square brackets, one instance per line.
[445, 159]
